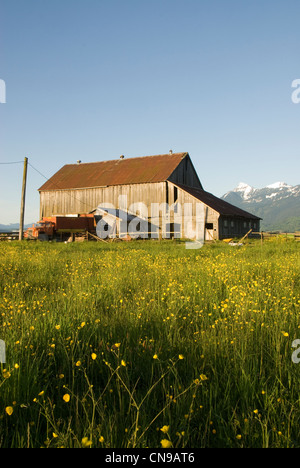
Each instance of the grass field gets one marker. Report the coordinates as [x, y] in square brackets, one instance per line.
[147, 344]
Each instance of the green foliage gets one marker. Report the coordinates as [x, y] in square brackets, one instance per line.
[129, 344]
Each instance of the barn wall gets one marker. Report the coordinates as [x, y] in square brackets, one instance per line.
[236, 227]
[189, 205]
[185, 174]
[62, 202]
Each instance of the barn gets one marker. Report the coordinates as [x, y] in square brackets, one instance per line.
[149, 196]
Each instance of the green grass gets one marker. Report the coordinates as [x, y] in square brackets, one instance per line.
[144, 335]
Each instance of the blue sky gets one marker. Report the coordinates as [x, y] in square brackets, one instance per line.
[94, 79]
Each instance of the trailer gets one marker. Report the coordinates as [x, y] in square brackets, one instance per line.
[62, 228]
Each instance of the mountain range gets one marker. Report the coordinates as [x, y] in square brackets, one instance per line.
[277, 204]
[12, 227]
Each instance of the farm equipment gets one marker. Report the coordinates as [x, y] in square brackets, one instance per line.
[62, 228]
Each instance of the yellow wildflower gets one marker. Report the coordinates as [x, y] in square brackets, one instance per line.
[165, 443]
[86, 442]
[165, 429]
[203, 377]
[9, 410]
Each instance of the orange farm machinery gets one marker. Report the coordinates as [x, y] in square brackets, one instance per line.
[62, 228]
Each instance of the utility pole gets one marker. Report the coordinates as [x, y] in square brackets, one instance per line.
[21, 228]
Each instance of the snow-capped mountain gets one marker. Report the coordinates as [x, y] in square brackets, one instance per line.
[278, 204]
[245, 190]
[279, 185]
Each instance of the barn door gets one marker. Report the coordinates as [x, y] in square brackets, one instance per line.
[209, 231]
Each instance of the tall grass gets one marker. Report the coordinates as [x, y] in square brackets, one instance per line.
[132, 344]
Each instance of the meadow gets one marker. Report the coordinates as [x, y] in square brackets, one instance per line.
[147, 344]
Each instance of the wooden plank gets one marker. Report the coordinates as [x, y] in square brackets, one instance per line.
[96, 237]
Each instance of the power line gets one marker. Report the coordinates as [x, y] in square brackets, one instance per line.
[59, 188]
[38, 171]
[15, 162]
[42, 175]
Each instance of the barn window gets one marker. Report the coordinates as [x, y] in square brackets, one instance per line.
[225, 223]
[175, 194]
[209, 226]
[232, 224]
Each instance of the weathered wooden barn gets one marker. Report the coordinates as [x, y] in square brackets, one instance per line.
[161, 195]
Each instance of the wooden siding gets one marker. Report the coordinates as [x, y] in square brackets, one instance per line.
[185, 174]
[236, 227]
[156, 197]
[63, 202]
[210, 216]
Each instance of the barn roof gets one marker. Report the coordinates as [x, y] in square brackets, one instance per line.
[221, 206]
[140, 170]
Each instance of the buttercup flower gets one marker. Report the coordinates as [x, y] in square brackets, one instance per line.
[9, 410]
[86, 442]
[165, 429]
[165, 443]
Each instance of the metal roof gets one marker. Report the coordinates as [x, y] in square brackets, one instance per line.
[122, 171]
[221, 206]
